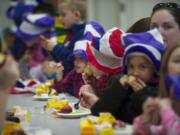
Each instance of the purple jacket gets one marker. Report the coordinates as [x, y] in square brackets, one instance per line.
[72, 81]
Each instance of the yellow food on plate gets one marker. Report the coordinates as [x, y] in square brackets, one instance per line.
[40, 90]
[54, 103]
[52, 92]
[48, 84]
[131, 79]
[106, 117]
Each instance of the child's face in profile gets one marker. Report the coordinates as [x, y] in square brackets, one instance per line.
[96, 72]
[79, 64]
[140, 67]
[174, 63]
[69, 17]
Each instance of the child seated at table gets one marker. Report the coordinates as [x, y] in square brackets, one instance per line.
[161, 115]
[73, 15]
[124, 98]
[73, 80]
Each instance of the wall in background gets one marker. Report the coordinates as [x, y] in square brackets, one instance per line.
[110, 13]
[120, 13]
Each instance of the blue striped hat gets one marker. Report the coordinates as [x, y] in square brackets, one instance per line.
[35, 25]
[92, 31]
[149, 44]
[18, 9]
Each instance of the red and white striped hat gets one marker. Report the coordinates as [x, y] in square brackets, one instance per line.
[102, 61]
[111, 43]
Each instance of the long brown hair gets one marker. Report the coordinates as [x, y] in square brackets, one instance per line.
[164, 69]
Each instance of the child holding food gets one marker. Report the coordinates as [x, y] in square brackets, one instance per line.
[124, 98]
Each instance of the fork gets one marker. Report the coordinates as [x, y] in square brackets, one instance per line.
[76, 105]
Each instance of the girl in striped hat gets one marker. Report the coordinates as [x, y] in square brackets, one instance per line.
[141, 62]
[161, 115]
[72, 81]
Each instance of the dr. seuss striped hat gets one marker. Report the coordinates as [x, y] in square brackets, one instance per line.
[35, 25]
[92, 30]
[111, 44]
[102, 61]
[18, 9]
[149, 44]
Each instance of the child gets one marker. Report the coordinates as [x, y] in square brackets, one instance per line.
[167, 107]
[102, 66]
[29, 31]
[73, 15]
[73, 80]
[141, 60]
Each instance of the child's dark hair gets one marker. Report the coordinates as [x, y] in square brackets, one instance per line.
[141, 25]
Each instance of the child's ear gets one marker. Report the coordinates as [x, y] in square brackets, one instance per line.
[77, 14]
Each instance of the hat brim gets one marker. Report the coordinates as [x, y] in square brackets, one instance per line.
[82, 53]
[28, 37]
[103, 62]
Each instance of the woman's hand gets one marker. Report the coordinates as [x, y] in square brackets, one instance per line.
[87, 95]
[60, 73]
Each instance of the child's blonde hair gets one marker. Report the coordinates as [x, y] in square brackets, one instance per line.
[79, 5]
[164, 69]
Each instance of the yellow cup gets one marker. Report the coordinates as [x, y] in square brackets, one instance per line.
[9, 127]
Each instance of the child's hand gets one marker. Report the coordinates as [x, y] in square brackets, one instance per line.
[26, 58]
[85, 78]
[137, 84]
[164, 103]
[124, 80]
[47, 43]
[150, 110]
[60, 69]
[88, 97]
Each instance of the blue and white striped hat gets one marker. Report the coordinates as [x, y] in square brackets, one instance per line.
[81, 45]
[92, 31]
[149, 44]
[18, 9]
[35, 25]
[94, 28]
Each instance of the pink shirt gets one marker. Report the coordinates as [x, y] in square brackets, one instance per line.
[170, 124]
